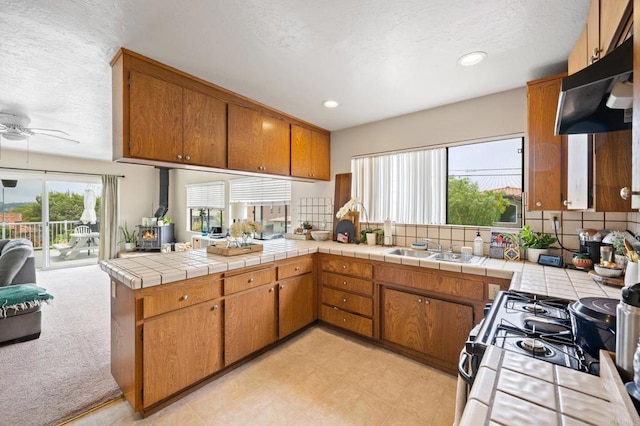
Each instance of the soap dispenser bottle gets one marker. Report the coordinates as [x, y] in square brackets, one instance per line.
[478, 245]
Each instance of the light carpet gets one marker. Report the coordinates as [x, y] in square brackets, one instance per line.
[67, 370]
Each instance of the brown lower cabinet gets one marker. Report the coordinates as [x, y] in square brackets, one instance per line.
[249, 322]
[431, 326]
[296, 300]
[180, 348]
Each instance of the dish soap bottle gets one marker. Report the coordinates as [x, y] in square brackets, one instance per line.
[478, 245]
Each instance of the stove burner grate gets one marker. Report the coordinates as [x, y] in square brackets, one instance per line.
[535, 308]
[535, 347]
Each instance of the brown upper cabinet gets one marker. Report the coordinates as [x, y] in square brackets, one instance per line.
[608, 23]
[310, 153]
[163, 116]
[258, 142]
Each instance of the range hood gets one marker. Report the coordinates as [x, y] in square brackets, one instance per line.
[586, 104]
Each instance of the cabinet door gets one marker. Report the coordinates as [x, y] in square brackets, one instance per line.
[448, 329]
[244, 147]
[545, 148]
[300, 151]
[594, 48]
[276, 146]
[613, 17]
[296, 304]
[321, 156]
[205, 130]
[156, 118]
[613, 163]
[578, 57]
[250, 322]
[180, 348]
[405, 320]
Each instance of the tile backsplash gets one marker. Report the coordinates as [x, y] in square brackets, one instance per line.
[319, 211]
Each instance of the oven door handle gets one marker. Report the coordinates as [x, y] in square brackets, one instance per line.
[463, 365]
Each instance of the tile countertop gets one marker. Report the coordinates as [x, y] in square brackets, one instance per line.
[162, 268]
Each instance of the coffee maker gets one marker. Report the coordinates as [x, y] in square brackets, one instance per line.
[590, 243]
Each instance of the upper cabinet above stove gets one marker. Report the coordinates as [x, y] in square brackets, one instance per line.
[163, 116]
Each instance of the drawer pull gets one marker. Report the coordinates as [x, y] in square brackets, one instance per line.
[344, 320]
[344, 266]
[281, 286]
[297, 268]
[344, 283]
[426, 302]
[215, 307]
[335, 308]
[270, 289]
[251, 279]
[419, 300]
[184, 297]
[344, 300]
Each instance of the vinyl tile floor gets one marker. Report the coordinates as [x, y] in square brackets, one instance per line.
[320, 377]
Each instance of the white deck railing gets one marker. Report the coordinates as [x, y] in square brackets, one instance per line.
[34, 231]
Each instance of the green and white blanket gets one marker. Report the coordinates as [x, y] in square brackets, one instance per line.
[22, 296]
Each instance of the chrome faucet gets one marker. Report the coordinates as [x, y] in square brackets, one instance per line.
[430, 242]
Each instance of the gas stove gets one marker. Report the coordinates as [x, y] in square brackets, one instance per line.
[531, 325]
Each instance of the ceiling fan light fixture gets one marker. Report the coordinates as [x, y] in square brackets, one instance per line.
[14, 136]
[472, 58]
[330, 104]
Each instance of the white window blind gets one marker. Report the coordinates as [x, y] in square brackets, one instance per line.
[406, 187]
[206, 196]
[260, 191]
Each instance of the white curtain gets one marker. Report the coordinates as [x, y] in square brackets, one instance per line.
[206, 195]
[109, 217]
[260, 191]
[406, 187]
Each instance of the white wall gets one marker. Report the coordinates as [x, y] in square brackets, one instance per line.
[489, 116]
[139, 191]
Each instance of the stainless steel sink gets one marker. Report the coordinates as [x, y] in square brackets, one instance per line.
[422, 254]
[440, 256]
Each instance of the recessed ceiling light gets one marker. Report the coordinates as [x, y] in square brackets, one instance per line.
[330, 104]
[472, 58]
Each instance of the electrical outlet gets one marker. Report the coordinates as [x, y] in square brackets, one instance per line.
[493, 291]
[555, 223]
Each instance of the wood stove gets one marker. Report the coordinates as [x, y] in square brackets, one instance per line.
[153, 237]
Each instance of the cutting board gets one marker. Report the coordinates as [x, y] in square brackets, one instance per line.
[346, 227]
[616, 282]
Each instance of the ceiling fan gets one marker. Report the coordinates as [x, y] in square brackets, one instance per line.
[14, 128]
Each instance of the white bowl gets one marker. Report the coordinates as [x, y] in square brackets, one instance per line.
[320, 235]
[607, 272]
[419, 246]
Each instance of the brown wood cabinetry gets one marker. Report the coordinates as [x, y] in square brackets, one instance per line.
[163, 116]
[180, 348]
[545, 148]
[612, 159]
[296, 294]
[310, 153]
[258, 142]
[607, 25]
[347, 294]
[249, 322]
[428, 325]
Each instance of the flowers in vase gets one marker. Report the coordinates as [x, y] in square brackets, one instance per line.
[245, 229]
[347, 207]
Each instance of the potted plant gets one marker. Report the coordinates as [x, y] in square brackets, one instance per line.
[130, 238]
[536, 243]
[370, 235]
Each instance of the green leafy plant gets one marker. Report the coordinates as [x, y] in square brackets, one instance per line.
[306, 225]
[536, 240]
[128, 236]
[365, 231]
[167, 220]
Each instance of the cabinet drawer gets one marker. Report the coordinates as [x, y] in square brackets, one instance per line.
[347, 283]
[165, 298]
[292, 269]
[459, 286]
[348, 301]
[355, 323]
[348, 267]
[249, 280]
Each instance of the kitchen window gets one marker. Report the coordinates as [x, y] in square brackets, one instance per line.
[268, 202]
[473, 184]
[205, 206]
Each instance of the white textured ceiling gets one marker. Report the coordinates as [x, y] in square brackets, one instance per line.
[378, 58]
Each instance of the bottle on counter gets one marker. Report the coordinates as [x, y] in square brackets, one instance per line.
[478, 245]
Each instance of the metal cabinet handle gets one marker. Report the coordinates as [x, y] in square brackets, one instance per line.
[184, 297]
[215, 307]
[188, 157]
[566, 203]
[419, 300]
[626, 193]
[344, 283]
[281, 286]
[538, 204]
[426, 302]
[270, 289]
[344, 300]
[251, 279]
[344, 320]
[179, 157]
[344, 266]
[335, 308]
[297, 268]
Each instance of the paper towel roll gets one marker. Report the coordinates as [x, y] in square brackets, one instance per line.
[388, 233]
